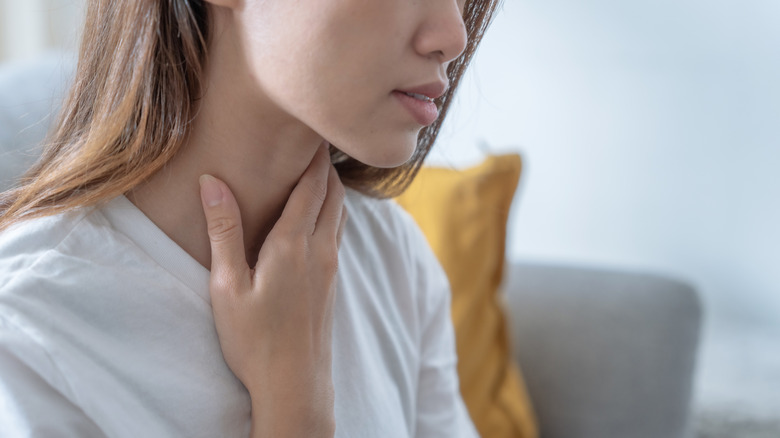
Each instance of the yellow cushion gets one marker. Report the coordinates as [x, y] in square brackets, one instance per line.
[463, 214]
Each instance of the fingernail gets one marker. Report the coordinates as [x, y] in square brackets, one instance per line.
[210, 190]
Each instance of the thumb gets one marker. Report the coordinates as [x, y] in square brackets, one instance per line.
[223, 219]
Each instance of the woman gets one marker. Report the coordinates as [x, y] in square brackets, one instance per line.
[198, 135]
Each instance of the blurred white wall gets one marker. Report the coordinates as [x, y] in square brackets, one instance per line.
[651, 137]
[30, 27]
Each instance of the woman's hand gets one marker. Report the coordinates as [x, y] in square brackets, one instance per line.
[274, 321]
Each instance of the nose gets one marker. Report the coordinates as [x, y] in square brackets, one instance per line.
[442, 34]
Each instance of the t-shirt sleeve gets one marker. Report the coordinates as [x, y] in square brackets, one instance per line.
[30, 403]
[441, 411]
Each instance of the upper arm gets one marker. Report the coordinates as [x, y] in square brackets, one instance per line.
[441, 411]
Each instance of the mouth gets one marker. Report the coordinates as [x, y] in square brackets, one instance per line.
[428, 92]
[422, 97]
[420, 107]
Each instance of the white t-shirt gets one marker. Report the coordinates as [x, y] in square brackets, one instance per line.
[106, 330]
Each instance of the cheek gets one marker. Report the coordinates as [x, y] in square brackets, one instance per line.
[363, 120]
[281, 42]
[347, 100]
[337, 84]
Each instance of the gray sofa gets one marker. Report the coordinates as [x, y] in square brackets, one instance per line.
[605, 353]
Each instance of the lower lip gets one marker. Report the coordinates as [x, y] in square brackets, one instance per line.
[424, 112]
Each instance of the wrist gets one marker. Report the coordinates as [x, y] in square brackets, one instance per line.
[270, 418]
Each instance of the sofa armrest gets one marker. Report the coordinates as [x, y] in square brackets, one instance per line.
[604, 353]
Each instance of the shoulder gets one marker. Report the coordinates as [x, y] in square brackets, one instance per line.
[29, 239]
[42, 254]
[382, 223]
[386, 232]
[38, 235]
[385, 214]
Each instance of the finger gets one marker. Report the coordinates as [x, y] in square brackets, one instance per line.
[329, 309]
[223, 219]
[330, 215]
[342, 223]
[303, 206]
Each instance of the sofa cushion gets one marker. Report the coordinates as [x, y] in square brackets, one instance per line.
[463, 214]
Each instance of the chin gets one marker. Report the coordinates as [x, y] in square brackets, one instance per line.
[382, 153]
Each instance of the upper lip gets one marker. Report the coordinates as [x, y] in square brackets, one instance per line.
[434, 90]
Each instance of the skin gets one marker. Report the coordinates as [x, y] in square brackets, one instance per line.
[285, 78]
[285, 75]
[275, 321]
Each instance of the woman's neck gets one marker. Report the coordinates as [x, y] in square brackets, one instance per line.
[261, 179]
[257, 150]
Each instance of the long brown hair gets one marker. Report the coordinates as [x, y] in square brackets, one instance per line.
[135, 92]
